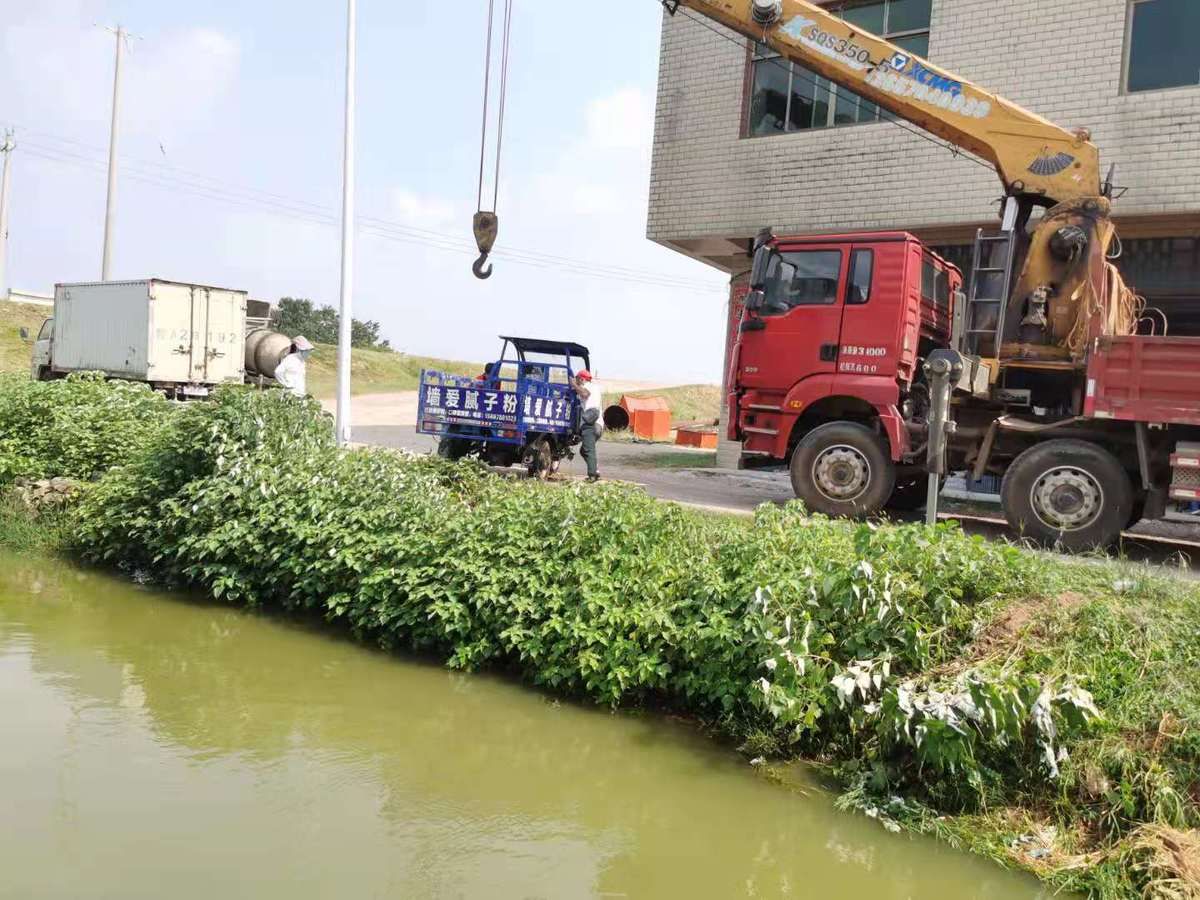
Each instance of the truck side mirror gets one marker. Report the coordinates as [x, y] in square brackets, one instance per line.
[24, 332]
[754, 300]
[758, 270]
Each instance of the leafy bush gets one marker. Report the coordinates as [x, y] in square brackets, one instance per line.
[604, 593]
[78, 427]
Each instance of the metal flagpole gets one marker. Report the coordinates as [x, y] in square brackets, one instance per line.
[6, 148]
[344, 322]
[110, 210]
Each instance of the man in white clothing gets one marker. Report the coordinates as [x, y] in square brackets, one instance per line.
[290, 373]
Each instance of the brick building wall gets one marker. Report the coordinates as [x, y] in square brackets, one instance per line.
[1062, 60]
[712, 188]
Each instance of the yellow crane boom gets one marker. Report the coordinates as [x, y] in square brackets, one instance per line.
[1067, 292]
[1034, 157]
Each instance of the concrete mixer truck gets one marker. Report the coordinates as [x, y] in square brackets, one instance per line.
[182, 339]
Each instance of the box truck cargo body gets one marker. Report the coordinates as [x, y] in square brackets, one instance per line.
[184, 338]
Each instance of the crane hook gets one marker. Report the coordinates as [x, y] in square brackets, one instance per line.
[478, 269]
[485, 225]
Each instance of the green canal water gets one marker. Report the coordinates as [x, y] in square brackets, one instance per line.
[152, 746]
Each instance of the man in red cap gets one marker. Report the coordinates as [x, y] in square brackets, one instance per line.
[592, 425]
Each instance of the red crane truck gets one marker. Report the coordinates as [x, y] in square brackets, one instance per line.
[828, 375]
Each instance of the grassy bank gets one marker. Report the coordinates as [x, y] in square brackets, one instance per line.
[376, 371]
[689, 402]
[1045, 715]
[14, 352]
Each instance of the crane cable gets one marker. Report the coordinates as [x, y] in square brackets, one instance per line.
[486, 223]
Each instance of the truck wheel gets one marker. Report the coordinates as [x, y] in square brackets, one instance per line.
[453, 448]
[1067, 493]
[843, 469]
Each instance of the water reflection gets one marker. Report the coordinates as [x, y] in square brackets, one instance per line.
[156, 746]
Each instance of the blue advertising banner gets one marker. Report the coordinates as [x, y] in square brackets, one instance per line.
[501, 411]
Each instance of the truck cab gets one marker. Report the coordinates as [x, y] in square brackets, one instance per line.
[43, 352]
[834, 331]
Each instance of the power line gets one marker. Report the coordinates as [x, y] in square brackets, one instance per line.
[383, 228]
[173, 177]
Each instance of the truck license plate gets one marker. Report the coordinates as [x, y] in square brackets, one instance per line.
[194, 390]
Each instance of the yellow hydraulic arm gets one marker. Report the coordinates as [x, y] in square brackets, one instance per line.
[1034, 157]
[1067, 292]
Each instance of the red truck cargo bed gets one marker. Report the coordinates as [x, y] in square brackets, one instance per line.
[1145, 379]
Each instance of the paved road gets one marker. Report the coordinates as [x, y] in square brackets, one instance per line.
[742, 492]
[620, 461]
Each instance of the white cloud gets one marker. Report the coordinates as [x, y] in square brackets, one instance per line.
[179, 80]
[57, 64]
[604, 172]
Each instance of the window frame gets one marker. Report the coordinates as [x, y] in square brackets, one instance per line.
[753, 59]
[1126, 60]
[941, 278]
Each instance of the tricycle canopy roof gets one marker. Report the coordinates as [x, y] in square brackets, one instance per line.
[539, 345]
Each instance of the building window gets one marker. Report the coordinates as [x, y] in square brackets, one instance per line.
[1163, 50]
[787, 97]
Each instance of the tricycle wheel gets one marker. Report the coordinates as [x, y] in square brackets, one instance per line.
[453, 448]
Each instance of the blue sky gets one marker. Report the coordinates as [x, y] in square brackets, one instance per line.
[231, 173]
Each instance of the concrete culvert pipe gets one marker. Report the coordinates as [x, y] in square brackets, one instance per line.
[616, 418]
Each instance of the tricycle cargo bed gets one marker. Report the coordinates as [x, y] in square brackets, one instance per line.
[1145, 379]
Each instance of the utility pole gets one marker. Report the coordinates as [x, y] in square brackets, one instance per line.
[342, 423]
[6, 148]
[110, 211]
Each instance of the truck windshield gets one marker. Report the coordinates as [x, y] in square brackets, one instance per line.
[801, 278]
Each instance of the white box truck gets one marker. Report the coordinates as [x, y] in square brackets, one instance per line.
[183, 339]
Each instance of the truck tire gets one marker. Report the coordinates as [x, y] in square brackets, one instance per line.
[843, 469]
[1069, 494]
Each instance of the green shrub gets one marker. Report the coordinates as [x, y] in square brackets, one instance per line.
[604, 593]
[78, 427]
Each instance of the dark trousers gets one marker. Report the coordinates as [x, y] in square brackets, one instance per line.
[587, 448]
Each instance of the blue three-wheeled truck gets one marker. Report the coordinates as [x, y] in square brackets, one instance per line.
[521, 409]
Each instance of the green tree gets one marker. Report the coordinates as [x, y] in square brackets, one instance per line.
[320, 324]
